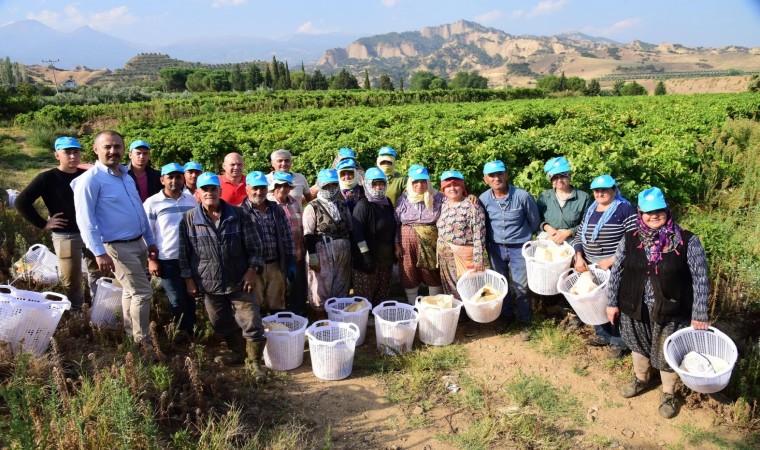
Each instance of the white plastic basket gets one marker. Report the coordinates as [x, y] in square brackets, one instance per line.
[591, 308]
[395, 326]
[40, 265]
[438, 326]
[470, 283]
[543, 277]
[284, 349]
[335, 311]
[331, 347]
[106, 306]
[28, 319]
[12, 194]
[710, 342]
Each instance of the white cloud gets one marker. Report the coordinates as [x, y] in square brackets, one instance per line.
[218, 3]
[620, 26]
[389, 3]
[542, 8]
[488, 17]
[72, 18]
[516, 14]
[309, 28]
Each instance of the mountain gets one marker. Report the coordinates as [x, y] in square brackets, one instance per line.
[519, 60]
[30, 42]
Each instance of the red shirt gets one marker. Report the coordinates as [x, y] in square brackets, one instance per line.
[234, 194]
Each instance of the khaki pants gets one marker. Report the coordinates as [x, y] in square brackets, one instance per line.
[270, 287]
[69, 248]
[131, 263]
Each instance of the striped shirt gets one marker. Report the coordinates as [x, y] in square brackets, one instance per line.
[292, 210]
[623, 220]
[164, 215]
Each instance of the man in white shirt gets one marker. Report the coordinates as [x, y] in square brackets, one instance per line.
[282, 161]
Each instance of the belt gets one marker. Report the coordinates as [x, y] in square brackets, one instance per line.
[124, 241]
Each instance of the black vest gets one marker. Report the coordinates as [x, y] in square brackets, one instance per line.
[673, 291]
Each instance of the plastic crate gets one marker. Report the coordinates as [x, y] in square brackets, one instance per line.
[470, 283]
[438, 326]
[543, 277]
[40, 264]
[28, 319]
[106, 306]
[395, 326]
[284, 349]
[331, 347]
[591, 308]
[336, 306]
[710, 342]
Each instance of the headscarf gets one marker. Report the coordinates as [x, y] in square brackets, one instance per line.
[602, 220]
[659, 241]
[426, 197]
[386, 168]
[454, 182]
[328, 198]
[375, 195]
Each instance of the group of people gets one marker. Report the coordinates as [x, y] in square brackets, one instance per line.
[256, 243]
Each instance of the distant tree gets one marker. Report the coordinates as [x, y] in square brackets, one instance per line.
[385, 83]
[253, 77]
[754, 83]
[593, 88]
[344, 80]
[614, 52]
[366, 80]
[297, 80]
[520, 69]
[275, 71]
[421, 80]
[576, 84]
[660, 88]
[633, 88]
[195, 81]
[237, 80]
[548, 83]
[617, 88]
[268, 78]
[468, 80]
[217, 81]
[562, 82]
[174, 79]
[318, 81]
[438, 83]
[401, 84]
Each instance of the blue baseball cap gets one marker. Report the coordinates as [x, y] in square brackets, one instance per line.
[327, 176]
[556, 165]
[652, 199]
[192, 165]
[346, 152]
[207, 179]
[138, 143]
[386, 151]
[282, 178]
[417, 172]
[346, 164]
[603, 182]
[373, 173]
[64, 142]
[171, 167]
[452, 174]
[256, 178]
[493, 167]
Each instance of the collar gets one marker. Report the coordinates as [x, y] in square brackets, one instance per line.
[106, 169]
[199, 218]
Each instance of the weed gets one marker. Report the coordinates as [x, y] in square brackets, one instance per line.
[538, 392]
[581, 370]
[696, 436]
[551, 340]
[602, 441]
[161, 376]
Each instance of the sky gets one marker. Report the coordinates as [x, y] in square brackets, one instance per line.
[706, 23]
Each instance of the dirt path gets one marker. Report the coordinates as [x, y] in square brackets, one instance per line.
[359, 416]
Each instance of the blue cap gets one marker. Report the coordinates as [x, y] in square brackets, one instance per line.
[256, 178]
[373, 173]
[556, 165]
[493, 167]
[138, 143]
[207, 179]
[346, 152]
[651, 199]
[64, 142]
[192, 165]
[452, 174]
[171, 167]
[327, 176]
[417, 172]
[386, 151]
[603, 182]
[346, 164]
[282, 178]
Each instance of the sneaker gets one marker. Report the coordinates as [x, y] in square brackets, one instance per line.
[503, 323]
[524, 332]
[471, 329]
[667, 405]
[597, 341]
[616, 352]
[635, 388]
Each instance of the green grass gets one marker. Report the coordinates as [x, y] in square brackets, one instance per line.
[695, 436]
[538, 392]
[551, 340]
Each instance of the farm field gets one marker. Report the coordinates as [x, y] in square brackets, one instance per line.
[552, 392]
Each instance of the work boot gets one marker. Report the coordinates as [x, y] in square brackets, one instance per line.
[667, 405]
[255, 350]
[635, 388]
[236, 346]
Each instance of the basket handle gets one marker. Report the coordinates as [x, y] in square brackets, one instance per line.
[106, 280]
[330, 301]
[320, 323]
[389, 303]
[36, 246]
[7, 289]
[289, 315]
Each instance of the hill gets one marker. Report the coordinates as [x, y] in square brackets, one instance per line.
[506, 59]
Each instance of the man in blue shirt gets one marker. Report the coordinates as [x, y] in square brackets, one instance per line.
[114, 227]
[511, 218]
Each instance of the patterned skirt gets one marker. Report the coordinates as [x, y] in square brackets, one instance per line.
[646, 336]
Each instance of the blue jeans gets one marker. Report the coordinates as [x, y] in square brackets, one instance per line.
[610, 333]
[181, 305]
[510, 257]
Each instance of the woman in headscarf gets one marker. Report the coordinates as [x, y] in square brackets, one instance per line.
[350, 187]
[658, 285]
[605, 223]
[374, 231]
[461, 236]
[386, 161]
[327, 229]
[417, 210]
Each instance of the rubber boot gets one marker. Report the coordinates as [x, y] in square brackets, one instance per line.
[255, 350]
[411, 295]
[236, 345]
[435, 290]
